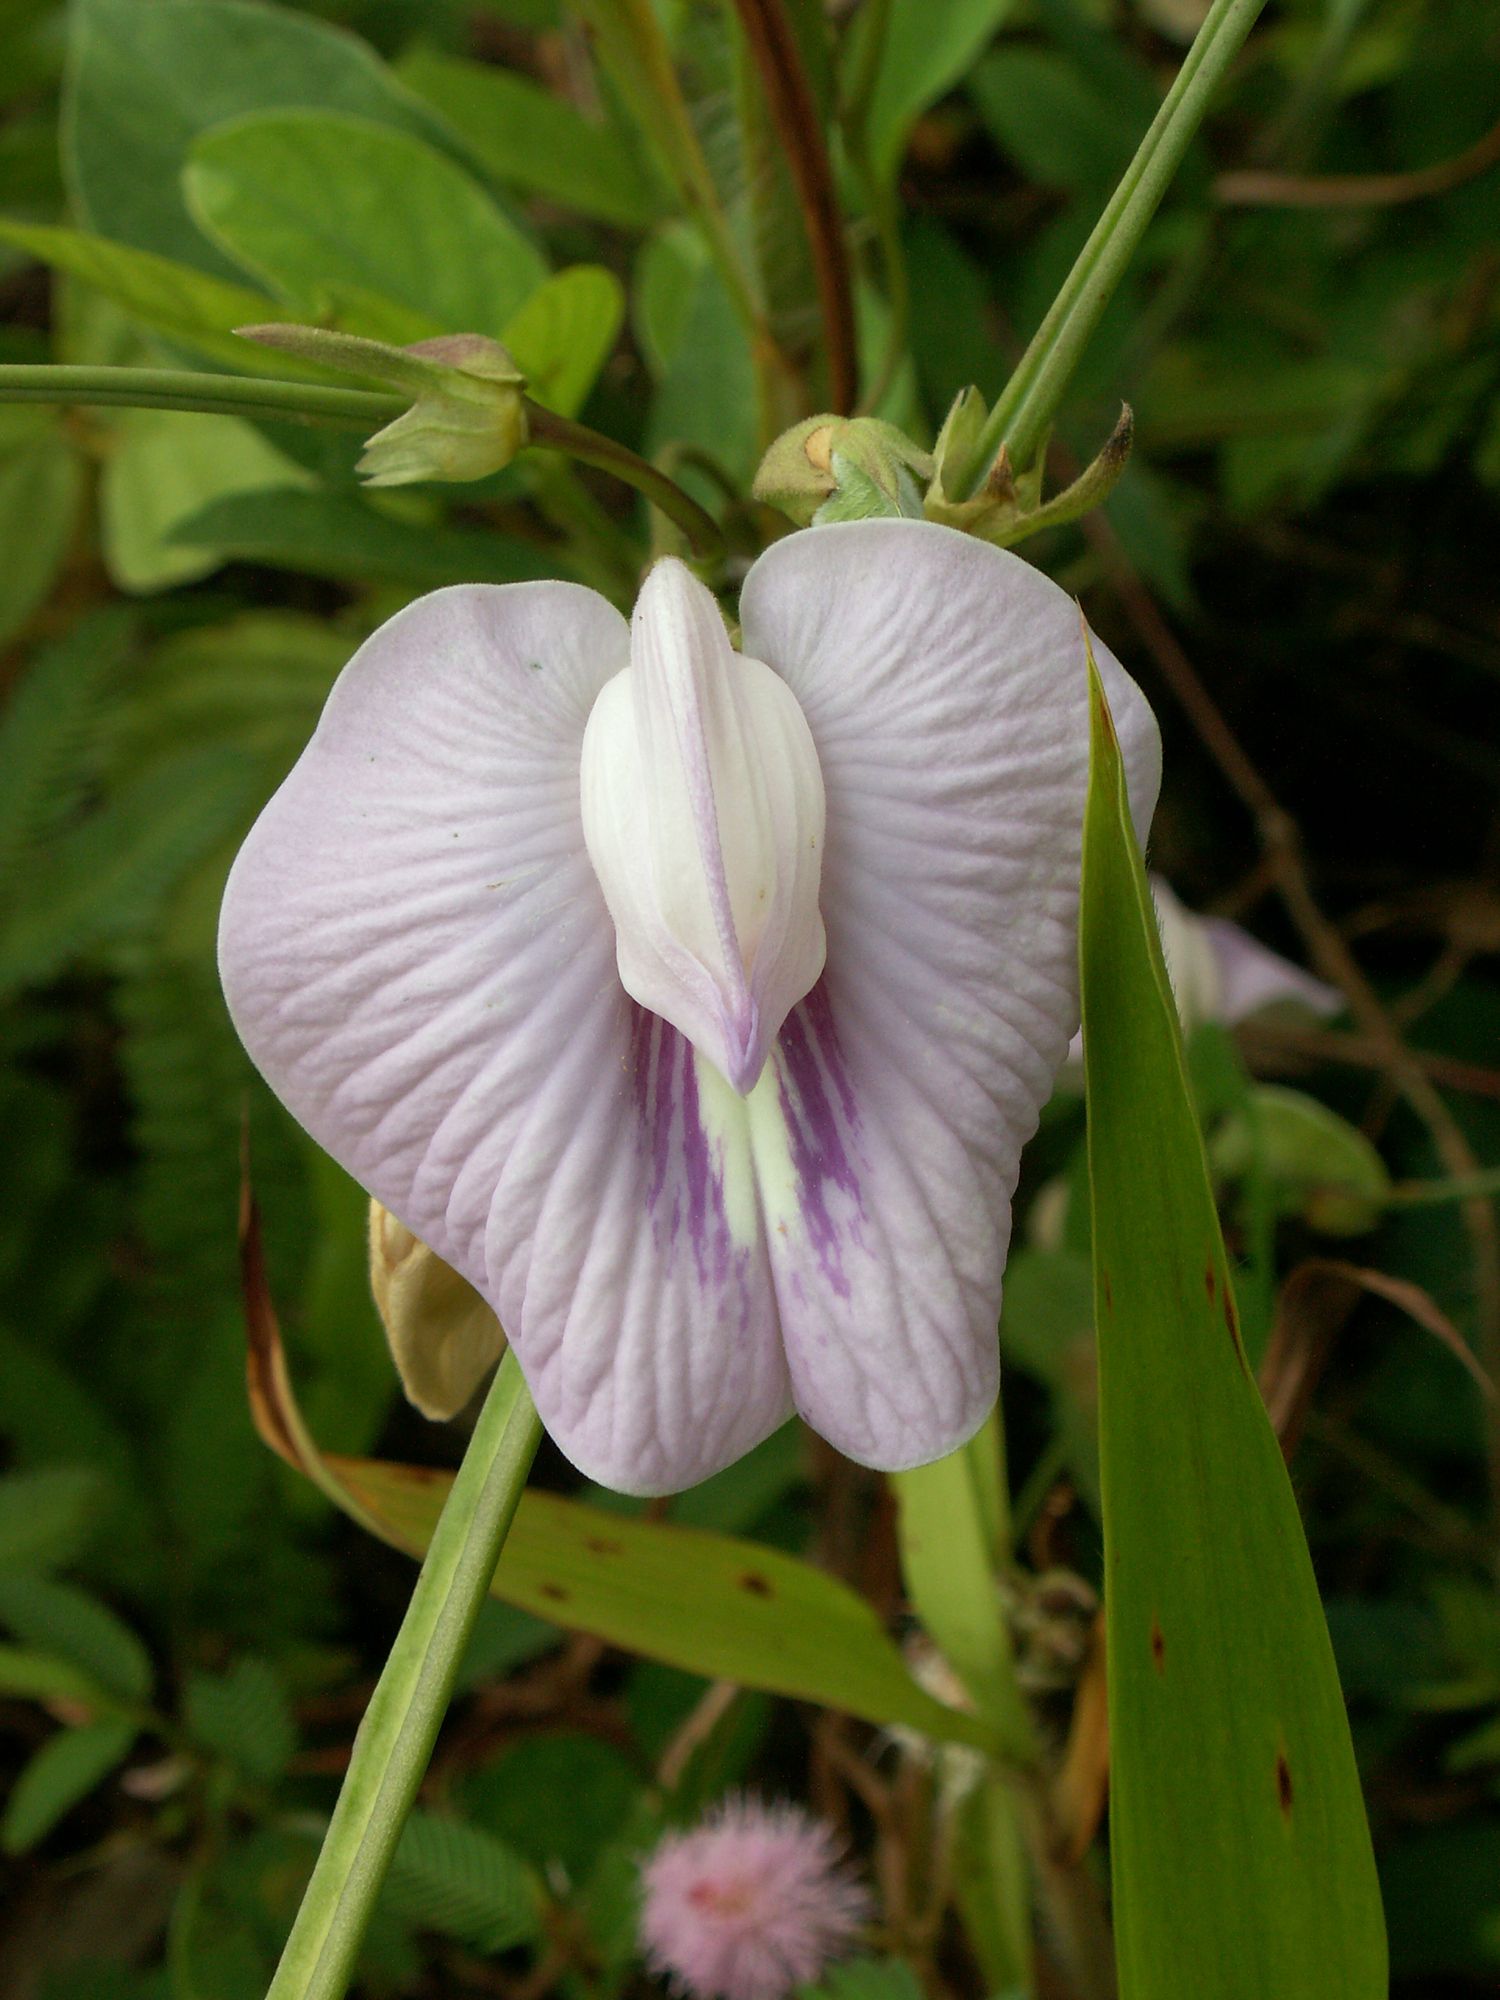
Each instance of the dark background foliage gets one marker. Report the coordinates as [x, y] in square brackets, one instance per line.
[1301, 567]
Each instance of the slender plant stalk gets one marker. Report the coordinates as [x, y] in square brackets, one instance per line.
[192, 389]
[401, 1723]
[362, 409]
[593, 448]
[783, 77]
[1023, 413]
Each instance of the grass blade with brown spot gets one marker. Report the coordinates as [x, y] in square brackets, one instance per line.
[1241, 1857]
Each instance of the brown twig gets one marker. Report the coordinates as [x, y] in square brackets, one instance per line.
[1267, 1042]
[773, 43]
[1255, 189]
[1281, 842]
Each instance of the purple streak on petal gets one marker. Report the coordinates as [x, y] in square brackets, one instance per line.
[813, 1068]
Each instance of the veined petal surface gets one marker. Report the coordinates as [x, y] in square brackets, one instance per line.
[417, 954]
[944, 683]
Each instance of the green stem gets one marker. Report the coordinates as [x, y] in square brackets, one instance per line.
[401, 1723]
[593, 448]
[191, 389]
[364, 409]
[1022, 415]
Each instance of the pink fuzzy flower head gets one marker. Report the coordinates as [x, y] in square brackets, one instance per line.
[750, 1903]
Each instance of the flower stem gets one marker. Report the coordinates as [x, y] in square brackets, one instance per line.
[401, 1723]
[593, 448]
[192, 389]
[363, 409]
[1025, 408]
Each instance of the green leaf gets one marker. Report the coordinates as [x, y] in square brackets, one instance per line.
[164, 468]
[1242, 1861]
[49, 730]
[1317, 1164]
[244, 1716]
[531, 139]
[66, 1769]
[43, 1677]
[558, 1799]
[1061, 132]
[927, 49]
[65, 1621]
[46, 1517]
[145, 80]
[711, 1604]
[563, 334]
[41, 490]
[948, 1560]
[461, 1881]
[714, 1605]
[337, 535]
[339, 213]
[107, 876]
[173, 299]
[866, 1979]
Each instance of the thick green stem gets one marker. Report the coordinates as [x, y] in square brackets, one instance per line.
[401, 1723]
[1026, 406]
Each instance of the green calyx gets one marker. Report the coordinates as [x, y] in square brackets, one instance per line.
[1007, 506]
[468, 414]
[843, 469]
[859, 468]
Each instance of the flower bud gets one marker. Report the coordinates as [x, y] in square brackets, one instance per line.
[703, 813]
[443, 1336]
[468, 414]
[842, 469]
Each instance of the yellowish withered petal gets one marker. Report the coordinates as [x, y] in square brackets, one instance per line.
[444, 1338]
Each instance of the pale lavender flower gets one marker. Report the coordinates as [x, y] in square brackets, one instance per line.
[694, 1004]
[750, 1903]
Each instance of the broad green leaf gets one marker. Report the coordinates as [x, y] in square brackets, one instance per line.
[1058, 129]
[146, 79]
[165, 467]
[343, 537]
[340, 213]
[927, 49]
[1316, 1164]
[563, 334]
[459, 1880]
[711, 1604]
[174, 299]
[63, 1620]
[66, 1769]
[531, 139]
[41, 490]
[1242, 1861]
[707, 393]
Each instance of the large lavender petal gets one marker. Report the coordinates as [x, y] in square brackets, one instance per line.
[944, 683]
[417, 954]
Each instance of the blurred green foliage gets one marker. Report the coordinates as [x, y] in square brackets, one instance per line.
[1314, 498]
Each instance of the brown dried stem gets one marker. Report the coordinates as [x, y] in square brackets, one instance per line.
[783, 75]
